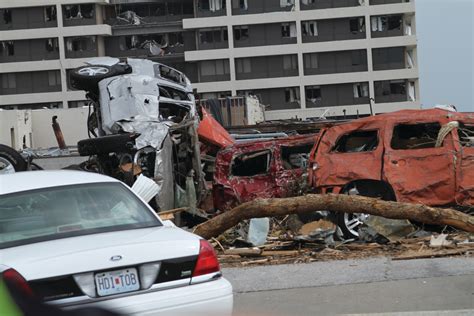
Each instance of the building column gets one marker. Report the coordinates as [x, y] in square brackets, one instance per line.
[230, 38]
[370, 64]
[62, 54]
[299, 42]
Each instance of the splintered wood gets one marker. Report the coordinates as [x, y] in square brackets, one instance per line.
[284, 251]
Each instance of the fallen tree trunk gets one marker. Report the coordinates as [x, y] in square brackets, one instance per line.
[335, 203]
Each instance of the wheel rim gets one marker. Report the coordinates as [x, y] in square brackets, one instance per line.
[93, 71]
[6, 167]
[352, 221]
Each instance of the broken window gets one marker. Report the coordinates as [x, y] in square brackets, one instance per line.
[286, 3]
[211, 5]
[241, 33]
[290, 62]
[378, 23]
[243, 65]
[357, 25]
[288, 30]
[240, 4]
[309, 28]
[7, 48]
[215, 35]
[313, 93]
[466, 135]
[295, 157]
[292, 94]
[7, 16]
[252, 164]
[77, 44]
[50, 14]
[394, 22]
[79, 11]
[311, 61]
[415, 136]
[357, 141]
[52, 45]
[361, 90]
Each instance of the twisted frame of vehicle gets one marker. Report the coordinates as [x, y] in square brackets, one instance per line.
[142, 120]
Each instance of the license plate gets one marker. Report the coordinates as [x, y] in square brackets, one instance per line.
[115, 282]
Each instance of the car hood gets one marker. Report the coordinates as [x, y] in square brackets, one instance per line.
[93, 252]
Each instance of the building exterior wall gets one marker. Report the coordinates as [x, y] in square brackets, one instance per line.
[278, 50]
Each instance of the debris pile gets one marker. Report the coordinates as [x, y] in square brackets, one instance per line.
[320, 241]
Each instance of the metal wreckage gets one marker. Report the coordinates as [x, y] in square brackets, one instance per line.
[144, 122]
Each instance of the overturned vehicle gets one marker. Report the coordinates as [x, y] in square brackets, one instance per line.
[142, 120]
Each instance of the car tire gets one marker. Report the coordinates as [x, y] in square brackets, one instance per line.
[121, 143]
[350, 222]
[88, 77]
[11, 161]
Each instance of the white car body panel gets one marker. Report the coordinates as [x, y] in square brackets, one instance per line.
[68, 256]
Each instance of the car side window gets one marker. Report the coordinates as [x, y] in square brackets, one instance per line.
[415, 136]
[466, 134]
[357, 141]
[251, 164]
[295, 157]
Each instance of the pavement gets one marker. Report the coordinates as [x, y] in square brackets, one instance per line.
[378, 286]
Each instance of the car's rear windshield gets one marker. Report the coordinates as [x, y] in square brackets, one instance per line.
[67, 211]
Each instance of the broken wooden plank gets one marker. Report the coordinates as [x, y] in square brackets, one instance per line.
[244, 252]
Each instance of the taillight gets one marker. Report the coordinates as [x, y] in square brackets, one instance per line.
[15, 279]
[207, 260]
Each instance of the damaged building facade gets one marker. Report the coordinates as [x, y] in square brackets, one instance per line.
[323, 58]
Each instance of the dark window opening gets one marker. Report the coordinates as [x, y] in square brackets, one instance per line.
[415, 136]
[292, 94]
[7, 16]
[313, 93]
[212, 5]
[172, 111]
[252, 164]
[398, 88]
[358, 141]
[52, 45]
[466, 135]
[394, 22]
[285, 30]
[295, 157]
[7, 48]
[168, 73]
[78, 44]
[172, 93]
[357, 25]
[241, 33]
[79, 11]
[50, 14]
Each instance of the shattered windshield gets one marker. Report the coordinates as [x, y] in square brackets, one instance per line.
[59, 212]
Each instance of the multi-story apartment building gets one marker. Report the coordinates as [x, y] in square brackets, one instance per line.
[302, 58]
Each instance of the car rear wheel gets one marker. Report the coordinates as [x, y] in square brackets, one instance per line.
[11, 161]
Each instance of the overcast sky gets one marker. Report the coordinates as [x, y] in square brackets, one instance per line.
[445, 52]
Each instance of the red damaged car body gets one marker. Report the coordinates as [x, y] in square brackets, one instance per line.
[261, 169]
[420, 156]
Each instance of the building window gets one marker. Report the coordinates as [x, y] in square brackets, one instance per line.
[241, 33]
[79, 11]
[7, 16]
[286, 3]
[290, 62]
[361, 90]
[357, 25]
[217, 35]
[288, 30]
[50, 14]
[313, 93]
[240, 4]
[358, 57]
[243, 65]
[7, 48]
[311, 61]
[211, 5]
[8, 81]
[214, 67]
[292, 94]
[77, 44]
[386, 23]
[52, 45]
[309, 28]
[54, 78]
